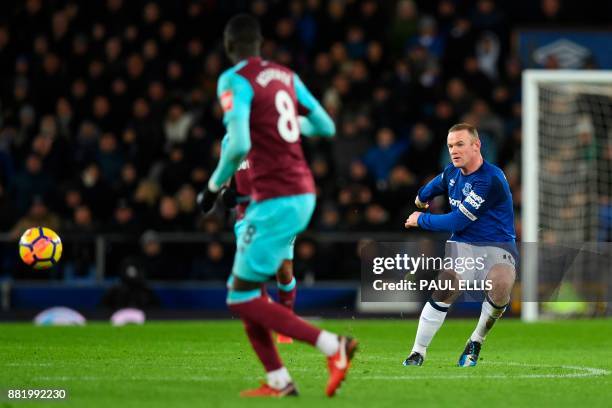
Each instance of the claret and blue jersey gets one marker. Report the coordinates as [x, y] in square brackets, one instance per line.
[267, 109]
[481, 205]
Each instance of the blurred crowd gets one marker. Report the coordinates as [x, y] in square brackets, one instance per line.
[109, 119]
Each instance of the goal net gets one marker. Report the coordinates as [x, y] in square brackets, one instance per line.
[567, 169]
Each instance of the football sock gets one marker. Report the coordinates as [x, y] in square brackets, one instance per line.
[261, 340]
[287, 292]
[275, 317]
[328, 343]
[278, 379]
[432, 317]
[489, 314]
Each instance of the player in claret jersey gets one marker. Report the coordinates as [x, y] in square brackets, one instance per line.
[261, 101]
[238, 197]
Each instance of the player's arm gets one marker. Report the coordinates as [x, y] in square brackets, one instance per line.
[227, 194]
[316, 122]
[435, 187]
[235, 94]
[470, 209]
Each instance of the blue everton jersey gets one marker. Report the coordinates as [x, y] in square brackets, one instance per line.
[481, 205]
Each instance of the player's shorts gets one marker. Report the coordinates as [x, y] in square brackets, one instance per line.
[266, 235]
[473, 262]
[239, 227]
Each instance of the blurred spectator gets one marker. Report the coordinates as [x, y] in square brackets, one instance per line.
[308, 264]
[133, 290]
[351, 142]
[30, 182]
[110, 158]
[404, 25]
[79, 248]
[186, 198]
[486, 16]
[428, 37]
[461, 40]
[125, 219]
[380, 159]
[399, 197]
[487, 52]
[474, 79]
[70, 200]
[421, 156]
[157, 264]
[329, 219]
[7, 212]
[38, 216]
[458, 96]
[96, 191]
[376, 218]
[168, 218]
[145, 200]
[175, 170]
[177, 124]
[127, 183]
[216, 265]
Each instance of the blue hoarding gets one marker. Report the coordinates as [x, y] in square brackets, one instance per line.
[565, 49]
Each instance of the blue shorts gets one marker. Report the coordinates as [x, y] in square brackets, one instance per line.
[266, 235]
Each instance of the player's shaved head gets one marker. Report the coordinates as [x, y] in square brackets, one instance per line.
[242, 37]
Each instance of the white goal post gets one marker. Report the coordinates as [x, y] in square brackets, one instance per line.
[553, 111]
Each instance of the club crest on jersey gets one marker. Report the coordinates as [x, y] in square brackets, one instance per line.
[227, 101]
[466, 189]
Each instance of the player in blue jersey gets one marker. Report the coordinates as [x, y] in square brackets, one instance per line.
[482, 225]
[266, 110]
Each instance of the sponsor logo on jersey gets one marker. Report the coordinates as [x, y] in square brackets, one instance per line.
[227, 101]
[467, 213]
[453, 202]
[244, 165]
[451, 183]
[474, 200]
[270, 74]
[467, 187]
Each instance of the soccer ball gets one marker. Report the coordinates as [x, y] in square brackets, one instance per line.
[40, 247]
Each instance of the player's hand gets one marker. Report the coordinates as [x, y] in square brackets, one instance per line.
[206, 200]
[421, 204]
[228, 197]
[413, 220]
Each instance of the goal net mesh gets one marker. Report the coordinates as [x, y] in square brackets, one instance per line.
[575, 159]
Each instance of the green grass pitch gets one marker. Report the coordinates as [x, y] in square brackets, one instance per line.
[206, 364]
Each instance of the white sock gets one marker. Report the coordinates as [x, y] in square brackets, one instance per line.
[278, 379]
[430, 321]
[328, 343]
[488, 316]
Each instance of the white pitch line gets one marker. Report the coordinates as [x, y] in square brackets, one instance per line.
[582, 372]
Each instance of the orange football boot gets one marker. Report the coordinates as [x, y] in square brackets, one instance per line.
[339, 364]
[266, 391]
